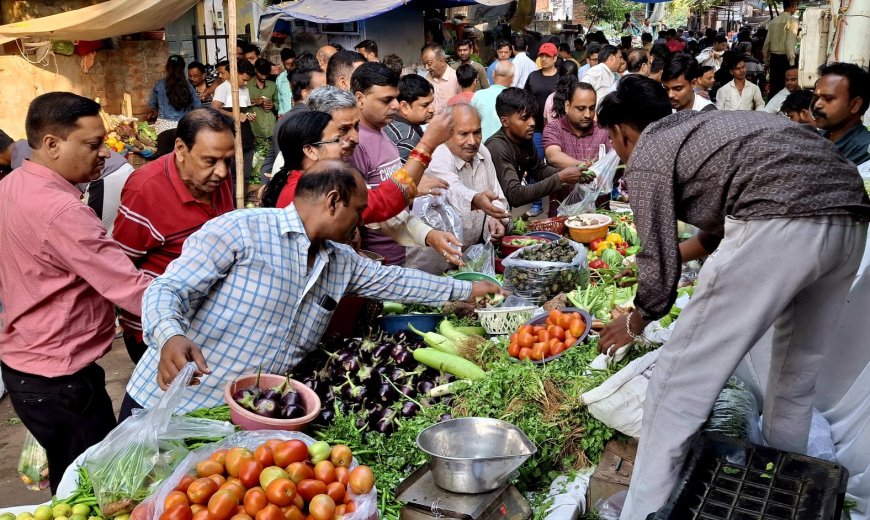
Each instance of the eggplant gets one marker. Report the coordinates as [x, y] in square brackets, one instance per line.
[400, 337]
[406, 390]
[326, 416]
[386, 424]
[354, 394]
[397, 374]
[312, 383]
[381, 352]
[404, 359]
[385, 393]
[348, 361]
[276, 392]
[248, 402]
[409, 409]
[291, 398]
[293, 411]
[361, 422]
[424, 385]
[246, 392]
[444, 417]
[266, 407]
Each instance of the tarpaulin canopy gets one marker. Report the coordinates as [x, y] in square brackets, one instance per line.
[105, 20]
[340, 11]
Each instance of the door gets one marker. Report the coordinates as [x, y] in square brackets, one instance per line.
[179, 35]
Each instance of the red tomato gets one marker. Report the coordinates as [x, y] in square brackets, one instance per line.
[293, 512]
[235, 487]
[557, 332]
[543, 336]
[249, 472]
[525, 353]
[289, 452]
[263, 455]
[565, 321]
[196, 508]
[340, 511]
[513, 337]
[218, 479]
[539, 352]
[554, 316]
[299, 501]
[342, 474]
[184, 483]
[175, 498]
[340, 455]
[270, 512]
[271, 443]
[577, 327]
[525, 328]
[322, 507]
[281, 491]
[234, 460]
[177, 512]
[219, 456]
[525, 340]
[255, 500]
[201, 515]
[207, 468]
[309, 488]
[350, 505]
[557, 349]
[336, 490]
[324, 471]
[513, 350]
[299, 471]
[201, 489]
[222, 505]
[569, 339]
[361, 480]
[241, 516]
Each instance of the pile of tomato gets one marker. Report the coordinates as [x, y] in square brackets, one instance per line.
[279, 480]
[538, 342]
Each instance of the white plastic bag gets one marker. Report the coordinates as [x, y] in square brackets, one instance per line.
[618, 402]
[568, 496]
[582, 197]
[366, 505]
[436, 213]
[538, 282]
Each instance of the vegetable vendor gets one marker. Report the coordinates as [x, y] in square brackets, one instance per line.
[786, 252]
[257, 288]
[60, 280]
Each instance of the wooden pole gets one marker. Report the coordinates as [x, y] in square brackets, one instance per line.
[234, 86]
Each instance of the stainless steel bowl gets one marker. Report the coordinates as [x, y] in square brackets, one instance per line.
[474, 454]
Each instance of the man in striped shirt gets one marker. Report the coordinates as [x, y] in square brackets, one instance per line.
[416, 107]
[169, 199]
[257, 288]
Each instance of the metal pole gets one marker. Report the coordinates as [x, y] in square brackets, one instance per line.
[234, 86]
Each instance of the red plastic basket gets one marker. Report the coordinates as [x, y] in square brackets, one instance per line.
[553, 225]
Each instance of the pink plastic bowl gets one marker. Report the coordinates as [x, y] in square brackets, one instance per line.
[248, 420]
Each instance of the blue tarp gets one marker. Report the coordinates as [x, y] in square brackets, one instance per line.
[340, 11]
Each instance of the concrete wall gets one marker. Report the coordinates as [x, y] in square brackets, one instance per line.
[399, 31]
[133, 67]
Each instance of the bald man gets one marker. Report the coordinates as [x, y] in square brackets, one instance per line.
[484, 100]
[323, 55]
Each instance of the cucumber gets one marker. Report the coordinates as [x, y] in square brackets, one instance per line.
[459, 367]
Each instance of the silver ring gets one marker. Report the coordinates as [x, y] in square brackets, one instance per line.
[445, 254]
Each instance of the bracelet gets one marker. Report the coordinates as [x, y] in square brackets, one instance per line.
[632, 335]
[405, 184]
[422, 147]
[421, 155]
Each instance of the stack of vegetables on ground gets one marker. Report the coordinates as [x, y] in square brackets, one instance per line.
[279, 480]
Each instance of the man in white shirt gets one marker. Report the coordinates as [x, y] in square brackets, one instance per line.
[523, 65]
[739, 94]
[468, 168]
[677, 79]
[791, 84]
[712, 56]
[603, 75]
[646, 28]
[441, 75]
[592, 51]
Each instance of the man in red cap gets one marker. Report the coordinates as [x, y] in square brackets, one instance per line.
[541, 84]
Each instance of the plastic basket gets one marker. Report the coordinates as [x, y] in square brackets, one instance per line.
[501, 321]
[553, 225]
[730, 478]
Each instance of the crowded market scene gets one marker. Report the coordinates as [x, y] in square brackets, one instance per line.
[420, 259]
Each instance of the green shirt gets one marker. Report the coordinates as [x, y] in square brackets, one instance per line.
[264, 124]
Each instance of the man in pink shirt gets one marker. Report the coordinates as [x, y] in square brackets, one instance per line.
[60, 280]
[441, 75]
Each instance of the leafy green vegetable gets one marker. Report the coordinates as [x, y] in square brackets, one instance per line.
[520, 227]
[612, 257]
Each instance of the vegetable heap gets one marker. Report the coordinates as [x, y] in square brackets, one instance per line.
[280, 402]
[559, 332]
[559, 251]
[81, 505]
[279, 480]
[609, 252]
[524, 242]
[556, 274]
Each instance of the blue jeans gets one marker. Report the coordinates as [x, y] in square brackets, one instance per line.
[538, 138]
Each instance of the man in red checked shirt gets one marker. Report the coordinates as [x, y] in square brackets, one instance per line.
[170, 198]
[60, 280]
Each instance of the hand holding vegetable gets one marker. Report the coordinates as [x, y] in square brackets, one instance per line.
[573, 175]
[615, 334]
[446, 244]
[496, 230]
[481, 289]
[486, 201]
[176, 353]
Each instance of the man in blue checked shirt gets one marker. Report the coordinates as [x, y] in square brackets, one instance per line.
[258, 287]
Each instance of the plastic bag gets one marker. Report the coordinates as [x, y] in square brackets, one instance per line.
[568, 497]
[582, 198]
[436, 213]
[480, 258]
[537, 282]
[618, 402]
[33, 464]
[129, 464]
[735, 413]
[611, 508]
[366, 505]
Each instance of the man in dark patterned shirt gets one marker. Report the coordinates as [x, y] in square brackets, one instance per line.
[786, 215]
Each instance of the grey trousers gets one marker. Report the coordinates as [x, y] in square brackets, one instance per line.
[792, 274]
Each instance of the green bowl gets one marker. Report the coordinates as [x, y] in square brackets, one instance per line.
[471, 276]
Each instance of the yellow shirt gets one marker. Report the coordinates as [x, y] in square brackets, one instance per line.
[781, 37]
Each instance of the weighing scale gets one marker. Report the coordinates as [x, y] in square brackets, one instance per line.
[424, 500]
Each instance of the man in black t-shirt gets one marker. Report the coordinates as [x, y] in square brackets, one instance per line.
[541, 84]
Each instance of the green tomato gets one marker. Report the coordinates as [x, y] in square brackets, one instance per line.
[24, 516]
[43, 513]
[8, 516]
[267, 476]
[55, 518]
[125, 516]
[81, 509]
[95, 518]
[61, 510]
[319, 451]
[78, 517]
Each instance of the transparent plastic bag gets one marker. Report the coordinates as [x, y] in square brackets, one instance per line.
[436, 213]
[129, 464]
[479, 258]
[366, 505]
[33, 464]
[582, 198]
[537, 282]
[611, 508]
[735, 413]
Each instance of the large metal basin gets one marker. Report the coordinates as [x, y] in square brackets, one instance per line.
[474, 454]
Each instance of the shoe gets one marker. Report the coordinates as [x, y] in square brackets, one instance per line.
[535, 210]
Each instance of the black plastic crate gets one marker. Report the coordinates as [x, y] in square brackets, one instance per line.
[730, 479]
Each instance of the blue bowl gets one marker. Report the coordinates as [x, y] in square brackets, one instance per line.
[544, 234]
[395, 323]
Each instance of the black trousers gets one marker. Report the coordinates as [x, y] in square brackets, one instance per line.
[778, 66]
[135, 348]
[127, 407]
[66, 414]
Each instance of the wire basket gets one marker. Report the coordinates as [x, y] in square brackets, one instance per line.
[504, 320]
[553, 225]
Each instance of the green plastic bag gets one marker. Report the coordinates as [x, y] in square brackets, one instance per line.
[64, 47]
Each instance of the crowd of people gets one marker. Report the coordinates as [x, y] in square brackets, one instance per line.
[348, 142]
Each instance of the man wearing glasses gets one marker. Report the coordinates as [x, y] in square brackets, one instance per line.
[592, 51]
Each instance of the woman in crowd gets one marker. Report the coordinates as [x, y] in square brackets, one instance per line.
[567, 77]
[171, 99]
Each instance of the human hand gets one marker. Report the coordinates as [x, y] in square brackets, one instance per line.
[481, 289]
[429, 185]
[487, 202]
[615, 335]
[176, 353]
[438, 131]
[496, 230]
[448, 245]
[571, 175]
